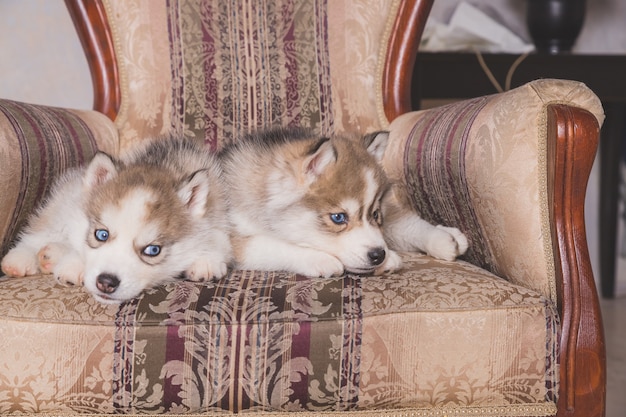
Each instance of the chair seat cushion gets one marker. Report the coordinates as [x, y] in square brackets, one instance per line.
[438, 335]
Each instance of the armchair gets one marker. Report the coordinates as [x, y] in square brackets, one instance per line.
[512, 329]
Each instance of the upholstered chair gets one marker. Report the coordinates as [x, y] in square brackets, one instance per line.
[512, 328]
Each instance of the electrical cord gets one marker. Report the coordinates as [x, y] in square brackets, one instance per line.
[509, 74]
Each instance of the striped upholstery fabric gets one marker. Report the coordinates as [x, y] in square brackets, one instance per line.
[215, 70]
[230, 84]
[434, 172]
[481, 165]
[37, 143]
[436, 338]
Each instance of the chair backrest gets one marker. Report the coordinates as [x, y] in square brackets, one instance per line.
[215, 69]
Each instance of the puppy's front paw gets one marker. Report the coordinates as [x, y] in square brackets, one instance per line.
[446, 243]
[320, 264]
[206, 269]
[392, 263]
[50, 255]
[20, 262]
[461, 239]
[61, 261]
[69, 271]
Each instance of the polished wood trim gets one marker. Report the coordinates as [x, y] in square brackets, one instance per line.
[95, 35]
[401, 52]
[573, 135]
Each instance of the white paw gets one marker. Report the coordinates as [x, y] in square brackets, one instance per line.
[50, 255]
[69, 270]
[20, 262]
[206, 269]
[320, 264]
[392, 263]
[461, 239]
[446, 243]
[61, 261]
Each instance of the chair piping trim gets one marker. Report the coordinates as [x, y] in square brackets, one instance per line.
[537, 410]
[546, 232]
[380, 67]
[121, 68]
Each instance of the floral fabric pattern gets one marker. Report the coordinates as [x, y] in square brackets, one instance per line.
[481, 165]
[215, 70]
[282, 342]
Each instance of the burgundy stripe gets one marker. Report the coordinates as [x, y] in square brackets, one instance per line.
[79, 153]
[292, 93]
[176, 62]
[301, 348]
[352, 340]
[42, 178]
[456, 168]
[174, 351]
[435, 172]
[122, 384]
[323, 62]
[24, 176]
[417, 178]
[214, 111]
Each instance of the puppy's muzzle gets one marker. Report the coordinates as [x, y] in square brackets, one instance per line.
[107, 283]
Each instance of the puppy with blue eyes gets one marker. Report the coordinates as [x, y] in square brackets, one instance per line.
[322, 206]
[119, 227]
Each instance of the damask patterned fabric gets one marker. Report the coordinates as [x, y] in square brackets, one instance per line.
[37, 143]
[481, 165]
[215, 70]
[441, 336]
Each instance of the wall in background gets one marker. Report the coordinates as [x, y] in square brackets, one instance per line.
[42, 61]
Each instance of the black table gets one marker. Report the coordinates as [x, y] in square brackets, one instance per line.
[460, 75]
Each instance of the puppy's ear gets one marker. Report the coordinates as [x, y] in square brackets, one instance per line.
[376, 143]
[100, 170]
[321, 156]
[194, 192]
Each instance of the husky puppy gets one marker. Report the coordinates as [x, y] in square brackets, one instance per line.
[122, 226]
[317, 206]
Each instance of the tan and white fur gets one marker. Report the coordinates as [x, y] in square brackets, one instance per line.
[322, 206]
[119, 227]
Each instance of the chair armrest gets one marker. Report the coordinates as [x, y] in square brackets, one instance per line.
[482, 165]
[37, 143]
[511, 171]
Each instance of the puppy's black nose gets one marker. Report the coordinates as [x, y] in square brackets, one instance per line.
[107, 283]
[376, 256]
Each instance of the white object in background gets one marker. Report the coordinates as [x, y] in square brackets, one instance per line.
[471, 29]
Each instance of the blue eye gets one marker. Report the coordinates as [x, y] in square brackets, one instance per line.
[339, 218]
[101, 235]
[152, 250]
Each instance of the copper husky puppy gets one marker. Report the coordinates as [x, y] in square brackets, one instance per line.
[322, 206]
[119, 227]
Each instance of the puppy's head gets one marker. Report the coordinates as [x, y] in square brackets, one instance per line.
[138, 218]
[347, 185]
